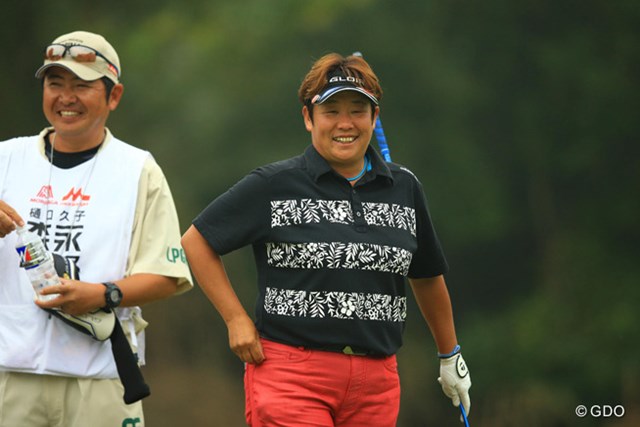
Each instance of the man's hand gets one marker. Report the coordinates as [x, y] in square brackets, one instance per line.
[244, 340]
[455, 380]
[75, 297]
[8, 219]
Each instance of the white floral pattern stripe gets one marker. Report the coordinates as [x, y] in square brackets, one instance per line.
[335, 304]
[339, 255]
[286, 213]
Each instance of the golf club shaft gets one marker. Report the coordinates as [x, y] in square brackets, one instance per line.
[382, 141]
[464, 416]
[379, 131]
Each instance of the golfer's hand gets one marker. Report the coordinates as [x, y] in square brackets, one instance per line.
[244, 340]
[455, 380]
[8, 219]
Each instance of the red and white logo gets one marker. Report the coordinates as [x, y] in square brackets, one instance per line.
[74, 195]
[46, 192]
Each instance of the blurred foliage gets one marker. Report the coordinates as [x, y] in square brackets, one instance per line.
[520, 118]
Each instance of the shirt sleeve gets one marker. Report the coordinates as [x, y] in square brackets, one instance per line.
[429, 260]
[155, 243]
[238, 217]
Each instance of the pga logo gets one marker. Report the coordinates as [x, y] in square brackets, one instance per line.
[176, 255]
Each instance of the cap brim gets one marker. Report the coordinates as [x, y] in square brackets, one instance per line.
[322, 97]
[77, 68]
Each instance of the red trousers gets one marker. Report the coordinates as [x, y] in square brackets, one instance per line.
[296, 387]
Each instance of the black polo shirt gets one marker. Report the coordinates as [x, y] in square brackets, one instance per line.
[331, 258]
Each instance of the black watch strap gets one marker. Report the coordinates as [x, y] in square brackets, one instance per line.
[112, 295]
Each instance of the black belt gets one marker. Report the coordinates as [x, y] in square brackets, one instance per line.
[347, 349]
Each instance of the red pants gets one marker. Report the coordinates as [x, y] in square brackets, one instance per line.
[297, 387]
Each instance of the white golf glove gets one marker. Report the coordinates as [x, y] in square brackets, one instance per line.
[455, 380]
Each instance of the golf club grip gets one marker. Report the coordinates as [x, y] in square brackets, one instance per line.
[131, 377]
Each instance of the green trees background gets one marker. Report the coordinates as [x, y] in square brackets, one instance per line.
[520, 118]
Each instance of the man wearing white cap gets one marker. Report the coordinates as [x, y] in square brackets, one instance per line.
[335, 232]
[101, 203]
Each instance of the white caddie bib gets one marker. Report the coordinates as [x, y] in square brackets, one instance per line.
[86, 213]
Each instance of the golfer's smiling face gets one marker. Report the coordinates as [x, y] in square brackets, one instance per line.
[341, 130]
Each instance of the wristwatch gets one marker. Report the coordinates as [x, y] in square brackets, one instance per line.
[112, 295]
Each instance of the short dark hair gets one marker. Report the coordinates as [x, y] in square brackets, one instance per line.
[108, 86]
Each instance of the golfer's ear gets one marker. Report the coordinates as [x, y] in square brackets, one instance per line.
[115, 96]
[308, 122]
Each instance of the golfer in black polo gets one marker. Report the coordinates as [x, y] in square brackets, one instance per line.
[335, 231]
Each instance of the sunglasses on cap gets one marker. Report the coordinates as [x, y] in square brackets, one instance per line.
[77, 52]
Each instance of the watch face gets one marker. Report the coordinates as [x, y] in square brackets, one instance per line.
[112, 295]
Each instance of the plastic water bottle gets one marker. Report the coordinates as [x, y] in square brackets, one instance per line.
[37, 262]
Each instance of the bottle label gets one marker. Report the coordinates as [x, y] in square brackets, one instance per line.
[27, 261]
